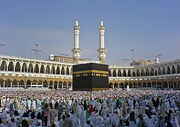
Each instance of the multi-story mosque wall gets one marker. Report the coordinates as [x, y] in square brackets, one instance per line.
[17, 72]
[27, 73]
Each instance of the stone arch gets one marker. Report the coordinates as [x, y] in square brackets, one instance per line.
[8, 83]
[40, 82]
[11, 66]
[65, 85]
[36, 68]
[142, 72]
[24, 67]
[159, 71]
[53, 70]
[138, 72]
[129, 73]
[119, 73]
[173, 70]
[165, 85]
[4, 66]
[55, 85]
[28, 83]
[134, 74]
[30, 68]
[69, 85]
[47, 69]
[67, 71]
[124, 73]
[163, 70]
[45, 84]
[115, 85]
[168, 70]
[114, 73]
[130, 85]
[21, 83]
[152, 72]
[50, 84]
[17, 67]
[60, 84]
[42, 69]
[57, 70]
[14, 83]
[62, 71]
[34, 82]
[178, 68]
[155, 73]
[147, 72]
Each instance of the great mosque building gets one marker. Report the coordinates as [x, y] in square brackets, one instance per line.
[24, 73]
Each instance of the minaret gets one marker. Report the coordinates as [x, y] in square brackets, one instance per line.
[76, 50]
[101, 50]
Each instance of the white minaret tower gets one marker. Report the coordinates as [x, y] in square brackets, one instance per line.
[76, 50]
[101, 50]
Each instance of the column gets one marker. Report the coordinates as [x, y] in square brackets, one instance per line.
[11, 84]
[62, 85]
[48, 85]
[53, 85]
[17, 84]
[113, 85]
[4, 83]
[31, 84]
[128, 86]
[25, 85]
[57, 85]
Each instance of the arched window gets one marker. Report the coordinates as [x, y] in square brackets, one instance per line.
[124, 73]
[42, 69]
[30, 68]
[152, 72]
[17, 68]
[119, 73]
[62, 71]
[129, 73]
[36, 69]
[58, 70]
[138, 73]
[67, 71]
[24, 67]
[114, 73]
[4, 66]
[147, 72]
[159, 71]
[178, 68]
[11, 66]
[142, 72]
[164, 71]
[168, 70]
[155, 72]
[47, 69]
[134, 74]
[53, 70]
[173, 70]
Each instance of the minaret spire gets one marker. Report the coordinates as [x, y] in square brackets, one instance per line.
[101, 50]
[76, 50]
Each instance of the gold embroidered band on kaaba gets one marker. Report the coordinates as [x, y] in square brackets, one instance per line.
[91, 71]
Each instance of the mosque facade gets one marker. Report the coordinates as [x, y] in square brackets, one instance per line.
[25, 73]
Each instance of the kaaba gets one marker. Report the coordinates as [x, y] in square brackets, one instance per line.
[90, 76]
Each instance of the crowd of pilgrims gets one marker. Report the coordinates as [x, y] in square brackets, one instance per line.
[105, 108]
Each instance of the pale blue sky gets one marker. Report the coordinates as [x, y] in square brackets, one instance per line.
[151, 27]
